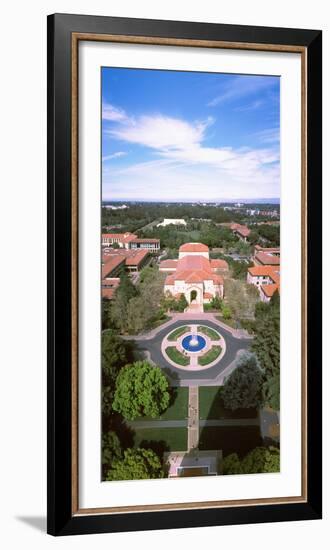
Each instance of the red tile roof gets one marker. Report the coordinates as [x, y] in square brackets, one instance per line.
[128, 238]
[219, 264]
[137, 257]
[275, 249]
[119, 236]
[168, 264]
[269, 290]
[193, 247]
[131, 257]
[267, 259]
[112, 263]
[154, 241]
[193, 269]
[241, 229]
[265, 271]
[109, 286]
[193, 263]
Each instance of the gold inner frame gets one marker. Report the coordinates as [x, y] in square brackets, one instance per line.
[76, 37]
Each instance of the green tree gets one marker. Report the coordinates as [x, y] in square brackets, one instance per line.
[182, 303]
[226, 311]
[241, 298]
[141, 390]
[271, 391]
[115, 354]
[111, 448]
[119, 306]
[242, 389]
[170, 303]
[136, 464]
[266, 343]
[216, 303]
[107, 321]
[144, 309]
[231, 464]
[259, 460]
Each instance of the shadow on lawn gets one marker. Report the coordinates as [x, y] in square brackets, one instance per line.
[229, 439]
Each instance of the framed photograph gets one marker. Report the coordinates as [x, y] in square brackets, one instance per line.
[184, 274]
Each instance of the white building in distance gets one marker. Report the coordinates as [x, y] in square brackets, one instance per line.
[172, 221]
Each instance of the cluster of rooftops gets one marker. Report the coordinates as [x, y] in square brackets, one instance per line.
[192, 266]
[265, 274]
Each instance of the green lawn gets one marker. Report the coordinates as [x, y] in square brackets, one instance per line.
[211, 406]
[158, 322]
[178, 409]
[167, 439]
[209, 356]
[230, 439]
[178, 332]
[230, 322]
[212, 334]
[177, 356]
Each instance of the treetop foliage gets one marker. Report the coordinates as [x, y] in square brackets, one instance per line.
[260, 460]
[136, 464]
[141, 390]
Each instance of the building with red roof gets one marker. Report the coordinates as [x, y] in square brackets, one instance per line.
[134, 260]
[266, 278]
[266, 256]
[109, 287]
[242, 231]
[129, 241]
[193, 275]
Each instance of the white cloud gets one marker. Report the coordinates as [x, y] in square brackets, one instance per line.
[116, 155]
[185, 169]
[109, 112]
[250, 106]
[269, 136]
[160, 132]
[241, 86]
[170, 180]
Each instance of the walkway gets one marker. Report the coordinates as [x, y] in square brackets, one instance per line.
[146, 424]
[193, 418]
[201, 317]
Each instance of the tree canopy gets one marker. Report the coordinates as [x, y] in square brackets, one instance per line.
[115, 354]
[266, 343]
[136, 464]
[119, 304]
[260, 460]
[141, 390]
[111, 448]
[242, 389]
[241, 298]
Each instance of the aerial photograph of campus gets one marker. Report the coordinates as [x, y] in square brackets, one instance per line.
[190, 275]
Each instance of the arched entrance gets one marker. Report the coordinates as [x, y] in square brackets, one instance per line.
[193, 295]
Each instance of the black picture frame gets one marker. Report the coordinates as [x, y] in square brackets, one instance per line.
[61, 519]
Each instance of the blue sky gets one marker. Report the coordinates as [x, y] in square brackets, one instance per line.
[173, 135]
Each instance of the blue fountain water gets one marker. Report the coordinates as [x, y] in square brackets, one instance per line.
[199, 344]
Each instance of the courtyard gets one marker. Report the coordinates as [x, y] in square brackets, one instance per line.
[206, 366]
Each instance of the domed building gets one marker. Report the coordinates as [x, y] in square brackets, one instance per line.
[194, 274]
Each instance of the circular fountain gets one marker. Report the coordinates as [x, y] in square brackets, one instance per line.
[194, 342]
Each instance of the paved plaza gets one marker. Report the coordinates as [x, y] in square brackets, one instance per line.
[236, 342]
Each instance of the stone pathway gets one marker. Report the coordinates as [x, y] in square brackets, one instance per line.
[193, 418]
[174, 317]
[140, 424]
